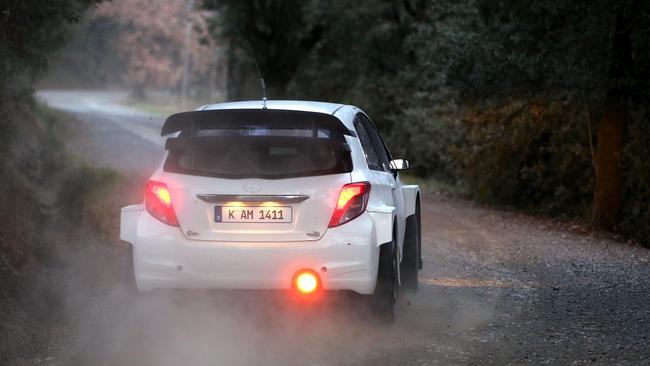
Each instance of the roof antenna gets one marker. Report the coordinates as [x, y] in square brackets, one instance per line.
[259, 74]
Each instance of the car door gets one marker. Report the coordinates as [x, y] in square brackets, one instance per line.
[386, 178]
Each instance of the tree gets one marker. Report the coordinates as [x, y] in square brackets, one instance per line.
[523, 58]
[277, 32]
[500, 96]
[29, 33]
[611, 135]
[151, 41]
[342, 50]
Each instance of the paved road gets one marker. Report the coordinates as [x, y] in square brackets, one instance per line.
[109, 133]
[497, 288]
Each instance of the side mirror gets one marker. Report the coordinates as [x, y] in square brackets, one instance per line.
[399, 164]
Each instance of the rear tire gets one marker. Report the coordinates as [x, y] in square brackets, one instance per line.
[412, 244]
[382, 302]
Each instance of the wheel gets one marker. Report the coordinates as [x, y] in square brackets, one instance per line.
[383, 301]
[412, 262]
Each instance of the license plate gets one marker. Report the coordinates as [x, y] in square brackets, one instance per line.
[258, 214]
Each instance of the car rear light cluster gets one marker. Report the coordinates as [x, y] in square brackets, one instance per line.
[158, 201]
[352, 201]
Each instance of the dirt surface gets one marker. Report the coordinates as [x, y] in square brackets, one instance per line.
[497, 288]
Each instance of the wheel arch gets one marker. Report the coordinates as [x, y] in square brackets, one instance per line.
[411, 197]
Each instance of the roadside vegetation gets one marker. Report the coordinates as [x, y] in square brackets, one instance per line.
[58, 220]
[540, 106]
[56, 212]
[537, 105]
[432, 185]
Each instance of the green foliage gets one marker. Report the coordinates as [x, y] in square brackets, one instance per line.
[90, 59]
[29, 32]
[357, 57]
[528, 81]
[636, 196]
[82, 185]
[529, 156]
[278, 32]
[428, 137]
[43, 188]
[433, 186]
[343, 50]
[496, 96]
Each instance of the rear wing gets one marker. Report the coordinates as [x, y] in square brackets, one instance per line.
[207, 142]
[189, 123]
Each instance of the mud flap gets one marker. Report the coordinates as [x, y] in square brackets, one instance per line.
[383, 219]
[383, 224]
[129, 222]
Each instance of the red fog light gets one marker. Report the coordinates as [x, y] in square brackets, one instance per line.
[306, 281]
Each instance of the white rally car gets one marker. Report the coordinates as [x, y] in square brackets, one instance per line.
[292, 195]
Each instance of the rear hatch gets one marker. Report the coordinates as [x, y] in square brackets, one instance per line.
[272, 176]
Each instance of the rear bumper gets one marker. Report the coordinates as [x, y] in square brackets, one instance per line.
[345, 257]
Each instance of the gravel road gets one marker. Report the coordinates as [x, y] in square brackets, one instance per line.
[497, 287]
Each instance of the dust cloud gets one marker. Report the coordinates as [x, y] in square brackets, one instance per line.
[109, 324]
[197, 327]
[106, 324]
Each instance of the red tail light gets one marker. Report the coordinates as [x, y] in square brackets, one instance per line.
[158, 201]
[352, 201]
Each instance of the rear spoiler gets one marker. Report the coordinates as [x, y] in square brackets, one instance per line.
[206, 142]
[188, 123]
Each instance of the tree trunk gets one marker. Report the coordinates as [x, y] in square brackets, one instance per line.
[609, 179]
[611, 134]
[187, 53]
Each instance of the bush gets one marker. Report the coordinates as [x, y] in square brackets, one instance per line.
[427, 137]
[86, 198]
[31, 239]
[636, 194]
[531, 156]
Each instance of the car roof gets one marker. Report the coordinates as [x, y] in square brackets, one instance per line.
[291, 105]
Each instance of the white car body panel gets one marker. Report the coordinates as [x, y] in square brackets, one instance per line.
[250, 256]
[345, 258]
[410, 197]
[129, 222]
[309, 216]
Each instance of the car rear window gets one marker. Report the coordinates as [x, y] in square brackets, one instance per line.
[258, 130]
[258, 150]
